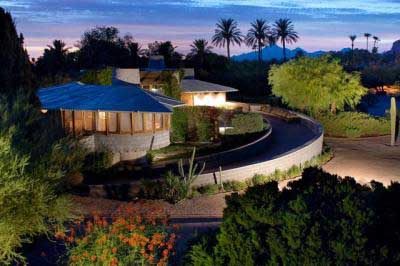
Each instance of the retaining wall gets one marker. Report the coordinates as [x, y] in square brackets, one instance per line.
[294, 157]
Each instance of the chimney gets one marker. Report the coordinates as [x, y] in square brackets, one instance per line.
[128, 75]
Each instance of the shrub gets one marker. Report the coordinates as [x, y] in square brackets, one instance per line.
[209, 189]
[353, 125]
[97, 162]
[173, 189]
[128, 239]
[194, 123]
[246, 123]
[234, 185]
[258, 179]
[320, 219]
[98, 77]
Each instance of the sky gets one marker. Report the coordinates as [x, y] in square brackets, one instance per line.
[321, 24]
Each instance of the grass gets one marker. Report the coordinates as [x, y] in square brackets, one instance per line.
[258, 179]
[353, 125]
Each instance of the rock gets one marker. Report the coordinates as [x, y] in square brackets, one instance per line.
[396, 47]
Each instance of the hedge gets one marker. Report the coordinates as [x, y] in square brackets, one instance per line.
[246, 123]
[98, 77]
[353, 125]
[194, 124]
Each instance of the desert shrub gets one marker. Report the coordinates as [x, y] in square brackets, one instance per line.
[320, 219]
[97, 162]
[258, 179]
[234, 185]
[173, 189]
[353, 125]
[98, 77]
[127, 239]
[194, 123]
[209, 189]
[246, 123]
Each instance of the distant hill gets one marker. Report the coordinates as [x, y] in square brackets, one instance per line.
[276, 52]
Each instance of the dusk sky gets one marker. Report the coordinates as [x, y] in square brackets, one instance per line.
[322, 25]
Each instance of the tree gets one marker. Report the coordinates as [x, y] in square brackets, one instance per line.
[320, 219]
[101, 47]
[258, 36]
[375, 48]
[135, 51]
[367, 35]
[227, 33]
[352, 39]
[15, 67]
[316, 84]
[167, 50]
[198, 51]
[283, 30]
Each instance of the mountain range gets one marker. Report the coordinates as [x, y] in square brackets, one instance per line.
[276, 52]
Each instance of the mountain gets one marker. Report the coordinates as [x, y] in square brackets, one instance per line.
[276, 52]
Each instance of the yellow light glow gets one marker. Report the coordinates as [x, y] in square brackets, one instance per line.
[210, 99]
[44, 111]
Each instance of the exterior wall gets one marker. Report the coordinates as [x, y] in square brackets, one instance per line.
[127, 147]
[296, 157]
[216, 99]
[129, 75]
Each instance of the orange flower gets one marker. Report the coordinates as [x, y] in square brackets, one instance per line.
[85, 254]
[93, 258]
[114, 250]
[165, 253]
[74, 258]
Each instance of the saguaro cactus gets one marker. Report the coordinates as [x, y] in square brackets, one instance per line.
[393, 121]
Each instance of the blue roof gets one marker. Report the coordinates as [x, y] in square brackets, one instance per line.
[118, 97]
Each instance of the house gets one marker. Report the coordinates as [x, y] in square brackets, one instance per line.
[121, 118]
[194, 92]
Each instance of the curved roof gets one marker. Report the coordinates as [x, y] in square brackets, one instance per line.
[195, 85]
[118, 97]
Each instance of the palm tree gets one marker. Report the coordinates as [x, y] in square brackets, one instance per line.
[352, 39]
[199, 49]
[284, 31]
[227, 33]
[376, 40]
[367, 35]
[258, 36]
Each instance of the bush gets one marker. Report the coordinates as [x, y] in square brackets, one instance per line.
[209, 189]
[98, 77]
[173, 189]
[246, 123]
[97, 162]
[129, 239]
[194, 124]
[353, 125]
[320, 219]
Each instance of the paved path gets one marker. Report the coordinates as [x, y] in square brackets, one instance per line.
[365, 159]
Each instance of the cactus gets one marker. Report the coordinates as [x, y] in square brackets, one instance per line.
[192, 173]
[393, 121]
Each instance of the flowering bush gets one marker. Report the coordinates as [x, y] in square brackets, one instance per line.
[124, 239]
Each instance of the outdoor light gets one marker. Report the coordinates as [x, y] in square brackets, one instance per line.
[43, 111]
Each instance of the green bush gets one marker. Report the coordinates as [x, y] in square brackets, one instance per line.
[98, 77]
[209, 189]
[353, 125]
[97, 162]
[173, 189]
[246, 123]
[320, 219]
[194, 124]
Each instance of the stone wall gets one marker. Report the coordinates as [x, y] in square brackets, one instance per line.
[127, 147]
[294, 157]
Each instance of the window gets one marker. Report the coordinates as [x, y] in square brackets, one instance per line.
[125, 120]
[138, 121]
[78, 117]
[148, 121]
[68, 120]
[159, 121]
[88, 121]
[112, 122]
[101, 121]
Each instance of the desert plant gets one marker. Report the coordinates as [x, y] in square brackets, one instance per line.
[173, 189]
[393, 121]
[193, 172]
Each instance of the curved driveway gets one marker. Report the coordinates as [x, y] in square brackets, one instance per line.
[285, 137]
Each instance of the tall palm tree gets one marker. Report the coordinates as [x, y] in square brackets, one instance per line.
[227, 33]
[283, 30]
[352, 39]
[367, 35]
[376, 40]
[258, 36]
[199, 49]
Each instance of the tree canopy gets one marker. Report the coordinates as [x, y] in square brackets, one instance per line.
[321, 219]
[316, 84]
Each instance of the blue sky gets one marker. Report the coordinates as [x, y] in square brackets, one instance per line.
[321, 24]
